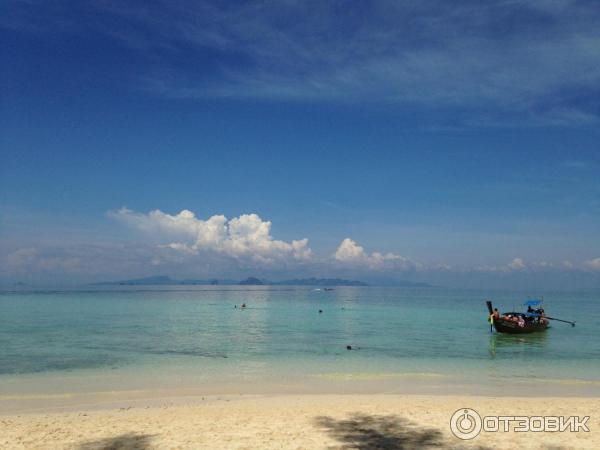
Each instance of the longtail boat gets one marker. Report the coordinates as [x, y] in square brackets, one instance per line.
[519, 322]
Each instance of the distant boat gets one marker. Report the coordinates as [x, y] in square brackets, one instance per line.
[521, 322]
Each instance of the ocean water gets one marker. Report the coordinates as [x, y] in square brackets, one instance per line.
[196, 335]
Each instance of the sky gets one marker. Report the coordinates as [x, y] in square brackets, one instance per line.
[456, 143]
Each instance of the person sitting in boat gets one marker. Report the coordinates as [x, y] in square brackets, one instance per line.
[494, 316]
[521, 321]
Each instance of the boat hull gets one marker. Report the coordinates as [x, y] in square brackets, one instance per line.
[510, 327]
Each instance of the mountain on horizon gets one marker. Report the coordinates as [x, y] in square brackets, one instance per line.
[154, 281]
[253, 281]
[164, 280]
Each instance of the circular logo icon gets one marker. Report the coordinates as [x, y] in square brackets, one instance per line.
[465, 424]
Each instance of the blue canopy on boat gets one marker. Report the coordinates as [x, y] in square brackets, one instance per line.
[532, 303]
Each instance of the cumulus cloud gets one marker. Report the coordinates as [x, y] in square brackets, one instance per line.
[566, 264]
[350, 253]
[593, 264]
[517, 264]
[246, 238]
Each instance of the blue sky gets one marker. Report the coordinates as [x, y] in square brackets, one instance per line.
[457, 144]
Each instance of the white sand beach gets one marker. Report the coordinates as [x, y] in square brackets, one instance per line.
[292, 422]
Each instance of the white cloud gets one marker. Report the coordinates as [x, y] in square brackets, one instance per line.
[517, 264]
[77, 262]
[400, 53]
[593, 264]
[21, 257]
[246, 238]
[350, 253]
[441, 267]
[445, 53]
[72, 260]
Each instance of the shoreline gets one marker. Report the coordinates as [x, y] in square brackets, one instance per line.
[295, 421]
[70, 392]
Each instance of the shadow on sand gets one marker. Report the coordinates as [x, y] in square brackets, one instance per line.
[129, 441]
[362, 431]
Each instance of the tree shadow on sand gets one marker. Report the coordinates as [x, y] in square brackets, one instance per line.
[129, 441]
[362, 431]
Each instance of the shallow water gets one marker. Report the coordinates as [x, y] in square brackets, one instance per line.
[196, 335]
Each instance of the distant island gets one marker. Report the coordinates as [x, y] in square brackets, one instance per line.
[163, 280]
[252, 281]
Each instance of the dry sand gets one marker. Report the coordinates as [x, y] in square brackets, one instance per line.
[294, 422]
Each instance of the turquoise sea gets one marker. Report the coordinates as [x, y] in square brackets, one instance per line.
[188, 337]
